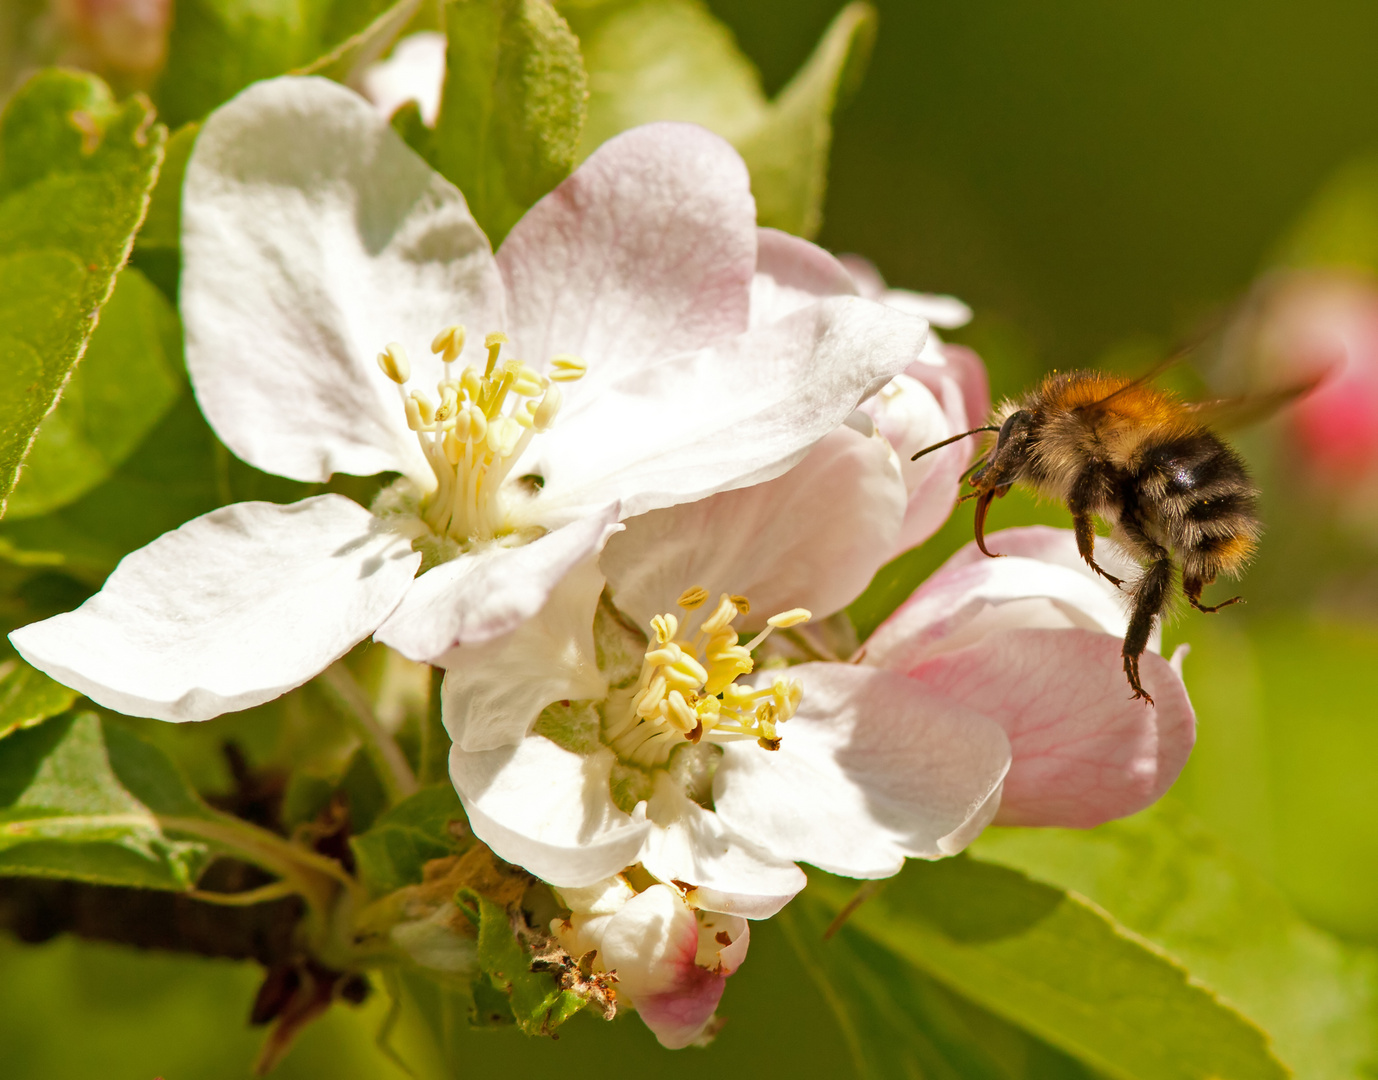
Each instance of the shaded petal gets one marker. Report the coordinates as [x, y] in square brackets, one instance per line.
[230, 610]
[943, 311]
[1084, 751]
[311, 238]
[792, 273]
[720, 871]
[485, 594]
[644, 252]
[548, 810]
[1041, 582]
[651, 944]
[494, 692]
[873, 768]
[688, 426]
[811, 538]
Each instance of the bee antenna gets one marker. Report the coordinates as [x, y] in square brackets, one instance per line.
[963, 435]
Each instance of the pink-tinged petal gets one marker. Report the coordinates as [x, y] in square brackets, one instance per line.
[769, 543]
[230, 610]
[872, 769]
[651, 944]
[792, 273]
[645, 251]
[720, 871]
[684, 427]
[488, 593]
[969, 371]
[312, 236]
[548, 810]
[1040, 582]
[494, 692]
[943, 311]
[1084, 751]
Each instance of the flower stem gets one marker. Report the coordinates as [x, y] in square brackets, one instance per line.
[388, 760]
[434, 763]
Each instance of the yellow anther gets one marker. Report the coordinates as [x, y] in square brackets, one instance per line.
[692, 599]
[722, 616]
[393, 360]
[665, 627]
[792, 617]
[413, 411]
[478, 423]
[544, 413]
[449, 404]
[567, 368]
[425, 410]
[741, 603]
[503, 435]
[454, 446]
[680, 713]
[470, 383]
[449, 342]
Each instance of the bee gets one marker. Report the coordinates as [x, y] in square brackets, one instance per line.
[1177, 497]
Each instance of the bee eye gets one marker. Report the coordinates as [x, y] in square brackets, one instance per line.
[1008, 426]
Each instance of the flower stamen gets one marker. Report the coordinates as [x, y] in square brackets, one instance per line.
[688, 690]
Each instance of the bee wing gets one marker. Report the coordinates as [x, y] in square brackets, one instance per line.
[1147, 377]
[1230, 414]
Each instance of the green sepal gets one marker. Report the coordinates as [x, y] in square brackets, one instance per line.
[393, 853]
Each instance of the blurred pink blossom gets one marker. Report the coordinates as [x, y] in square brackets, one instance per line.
[125, 37]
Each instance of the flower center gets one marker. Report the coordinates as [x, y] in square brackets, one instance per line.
[477, 430]
[688, 688]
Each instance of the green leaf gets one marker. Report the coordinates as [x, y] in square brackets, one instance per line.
[1061, 969]
[163, 226]
[128, 380]
[1163, 875]
[788, 153]
[78, 800]
[899, 1022]
[538, 1004]
[75, 173]
[28, 697]
[672, 60]
[513, 107]
[392, 853]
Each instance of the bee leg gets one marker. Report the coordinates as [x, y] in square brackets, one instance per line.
[1192, 586]
[1086, 544]
[1150, 593]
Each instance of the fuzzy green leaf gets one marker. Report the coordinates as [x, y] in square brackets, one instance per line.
[28, 697]
[513, 107]
[392, 853]
[79, 800]
[75, 174]
[1061, 969]
[1164, 876]
[128, 380]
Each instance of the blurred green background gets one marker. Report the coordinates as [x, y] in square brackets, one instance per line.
[1094, 180]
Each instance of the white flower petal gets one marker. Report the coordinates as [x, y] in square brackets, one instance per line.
[812, 538]
[870, 770]
[414, 72]
[720, 871]
[792, 273]
[231, 610]
[485, 594]
[548, 810]
[972, 595]
[495, 691]
[943, 311]
[644, 252]
[311, 238]
[688, 426]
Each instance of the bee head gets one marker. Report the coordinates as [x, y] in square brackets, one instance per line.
[1005, 461]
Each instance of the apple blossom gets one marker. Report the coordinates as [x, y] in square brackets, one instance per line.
[671, 961]
[996, 688]
[326, 273]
